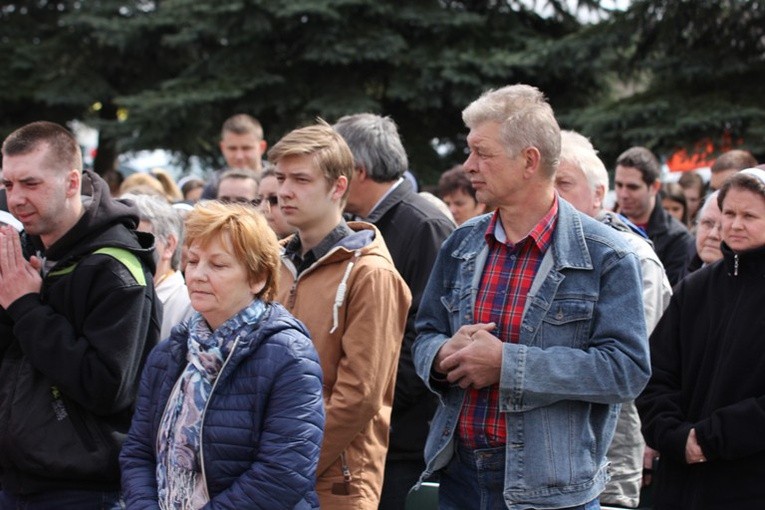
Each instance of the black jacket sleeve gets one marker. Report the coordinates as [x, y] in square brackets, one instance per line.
[91, 347]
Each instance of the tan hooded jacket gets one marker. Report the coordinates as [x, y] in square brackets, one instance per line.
[354, 304]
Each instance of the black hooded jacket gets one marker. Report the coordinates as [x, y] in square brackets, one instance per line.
[71, 355]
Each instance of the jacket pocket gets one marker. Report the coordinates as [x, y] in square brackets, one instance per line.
[50, 434]
[567, 323]
[453, 301]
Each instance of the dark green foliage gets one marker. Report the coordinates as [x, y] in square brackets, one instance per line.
[664, 74]
[180, 67]
[694, 70]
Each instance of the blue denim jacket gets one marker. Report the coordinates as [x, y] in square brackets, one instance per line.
[583, 349]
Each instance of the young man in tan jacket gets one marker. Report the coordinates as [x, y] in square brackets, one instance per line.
[339, 279]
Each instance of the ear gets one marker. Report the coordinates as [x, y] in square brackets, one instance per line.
[360, 174]
[341, 184]
[73, 182]
[257, 286]
[655, 187]
[263, 146]
[531, 158]
[597, 199]
[170, 245]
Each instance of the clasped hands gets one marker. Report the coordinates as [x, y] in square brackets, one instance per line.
[693, 452]
[472, 357]
[18, 276]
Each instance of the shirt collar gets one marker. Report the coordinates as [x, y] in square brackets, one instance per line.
[541, 234]
[294, 247]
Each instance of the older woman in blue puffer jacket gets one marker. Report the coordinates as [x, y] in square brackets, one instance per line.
[229, 411]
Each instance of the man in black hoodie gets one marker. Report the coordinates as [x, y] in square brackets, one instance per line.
[77, 320]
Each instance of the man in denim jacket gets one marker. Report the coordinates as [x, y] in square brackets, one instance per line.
[531, 328]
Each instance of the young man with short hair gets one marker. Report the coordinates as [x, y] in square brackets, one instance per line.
[77, 321]
[637, 185]
[242, 146]
[339, 279]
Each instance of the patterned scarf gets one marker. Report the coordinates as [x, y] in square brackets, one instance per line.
[180, 483]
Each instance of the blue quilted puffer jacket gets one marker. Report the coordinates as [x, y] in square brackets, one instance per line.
[263, 427]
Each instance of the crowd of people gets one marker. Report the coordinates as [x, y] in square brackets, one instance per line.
[307, 329]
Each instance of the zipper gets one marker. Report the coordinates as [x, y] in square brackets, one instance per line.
[735, 264]
[204, 412]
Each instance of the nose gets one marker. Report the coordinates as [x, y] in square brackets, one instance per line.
[469, 165]
[14, 197]
[285, 190]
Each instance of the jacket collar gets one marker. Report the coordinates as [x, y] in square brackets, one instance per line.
[659, 220]
[568, 248]
[749, 263]
[394, 197]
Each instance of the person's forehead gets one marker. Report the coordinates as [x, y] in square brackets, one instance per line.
[628, 174]
[569, 170]
[32, 164]
[457, 194]
[300, 164]
[238, 184]
[484, 133]
[269, 183]
[231, 138]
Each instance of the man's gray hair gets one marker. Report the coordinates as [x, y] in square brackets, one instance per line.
[576, 149]
[375, 144]
[526, 118]
[164, 220]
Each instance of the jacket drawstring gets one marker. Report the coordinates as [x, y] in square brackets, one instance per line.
[340, 294]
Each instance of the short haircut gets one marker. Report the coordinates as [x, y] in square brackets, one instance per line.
[643, 160]
[268, 171]
[689, 180]
[239, 174]
[242, 124]
[245, 232]
[577, 150]
[164, 220]
[191, 184]
[744, 181]
[63, 153]
[328, 149]
[375, 144]
[735, 159]
[526, 118]
[453, 180]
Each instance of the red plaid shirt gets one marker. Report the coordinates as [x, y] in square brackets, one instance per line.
[505, 283]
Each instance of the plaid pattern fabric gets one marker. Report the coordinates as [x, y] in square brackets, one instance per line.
[505, 283]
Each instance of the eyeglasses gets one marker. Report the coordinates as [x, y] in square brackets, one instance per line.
[270, 201]
[239, 200]
[707, 224]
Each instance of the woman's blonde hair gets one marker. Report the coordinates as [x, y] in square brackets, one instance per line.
[244, 231]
